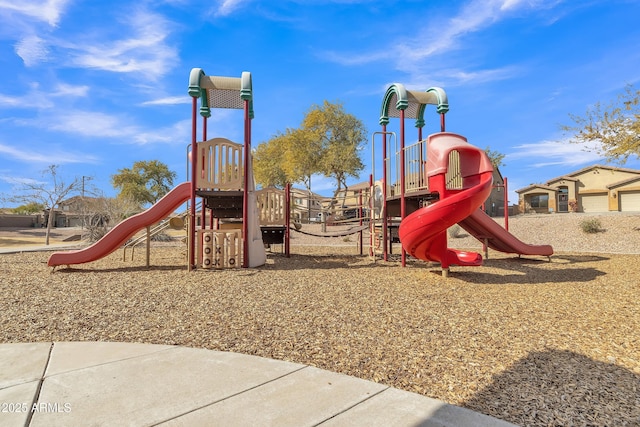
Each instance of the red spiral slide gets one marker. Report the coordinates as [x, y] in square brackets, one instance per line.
[119, 234]
[423, 233]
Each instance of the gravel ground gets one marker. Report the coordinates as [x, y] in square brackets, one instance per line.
[531, 341]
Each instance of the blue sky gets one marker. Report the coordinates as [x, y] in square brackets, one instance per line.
[95, 86]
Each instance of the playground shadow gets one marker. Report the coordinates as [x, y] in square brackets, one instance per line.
[572, 259]
[531, 271]
[132, 269]
[567, 387]
[321, 262]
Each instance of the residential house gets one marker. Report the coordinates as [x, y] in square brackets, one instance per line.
[495, 203]
[349, 200]
[595, 188]
[75, 211]
[306, 206]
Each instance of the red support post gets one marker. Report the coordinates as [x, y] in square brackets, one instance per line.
[287, 219]
[194, 175]
[372, 223]
[360, 212]
[385, 181]
[506, 204]
[203, 209]
[403, 202]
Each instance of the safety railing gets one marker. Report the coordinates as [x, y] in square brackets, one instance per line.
[415, 174]
[453, 177]
[271, 206]
[220, 165]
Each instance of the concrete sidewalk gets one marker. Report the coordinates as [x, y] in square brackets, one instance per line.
[119, 384]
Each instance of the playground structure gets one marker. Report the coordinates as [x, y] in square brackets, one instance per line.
[434, 183]
[228, 221]
[228, 232]
[425, 187]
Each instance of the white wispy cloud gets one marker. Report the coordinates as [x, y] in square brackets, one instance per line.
[16, 180]
[170, 100]
[89, 123]
[48, 11]
[227, 7]
[452, 77]
[119, 128]
[50, 156]
[473, 17]
[141, 45]
[555, 153]
[443, 36]
[145, 51]
[41, 99]
[32, 49]
[179, 132]
[64, 90]
[10, 101]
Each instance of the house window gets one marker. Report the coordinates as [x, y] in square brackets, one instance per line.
[539, 201]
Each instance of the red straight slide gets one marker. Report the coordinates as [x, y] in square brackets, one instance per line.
[483, 227]
[119, 234]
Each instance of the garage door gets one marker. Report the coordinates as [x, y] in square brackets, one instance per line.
[629, 201]
[594, 203]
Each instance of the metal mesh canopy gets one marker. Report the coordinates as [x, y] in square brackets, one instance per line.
[416, 100]
[223, 98]
[411, 112]
[223, 92]
[413, 103]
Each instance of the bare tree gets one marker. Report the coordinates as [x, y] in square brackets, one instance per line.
[612, 130]
[104, 212]
[49, 193]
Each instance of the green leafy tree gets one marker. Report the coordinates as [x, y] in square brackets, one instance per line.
[29, 208]
[49, 193]
[328, 142]
[496, 157]
[302, 156]
[340, 136]
[612, 130]
[268, 163]
[146, 182]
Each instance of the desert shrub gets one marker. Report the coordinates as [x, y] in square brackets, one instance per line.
[455, 231]
[161, 237]
[96, 232]
[591, 225]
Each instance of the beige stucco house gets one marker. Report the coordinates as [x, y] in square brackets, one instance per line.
[306, 206]
[592, 189]
[495, 203]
